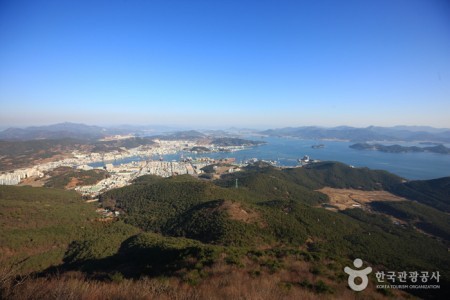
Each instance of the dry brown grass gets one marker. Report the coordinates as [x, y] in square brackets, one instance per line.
[223, 281]
[33, 181]
[227, 285]
[350, 198]
[239, 213]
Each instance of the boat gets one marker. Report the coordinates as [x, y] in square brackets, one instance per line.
[304, 160]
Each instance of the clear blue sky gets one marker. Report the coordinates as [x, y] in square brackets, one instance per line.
[244, 63]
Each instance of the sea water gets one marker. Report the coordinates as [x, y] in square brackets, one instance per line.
[286, 152]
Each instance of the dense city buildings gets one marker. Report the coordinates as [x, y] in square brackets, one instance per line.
[144, 160]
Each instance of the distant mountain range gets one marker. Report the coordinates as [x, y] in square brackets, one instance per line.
[371, 133]
[78, 131]
[368, 134]
[56, 131]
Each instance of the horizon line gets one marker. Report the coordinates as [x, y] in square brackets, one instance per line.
[205, 127]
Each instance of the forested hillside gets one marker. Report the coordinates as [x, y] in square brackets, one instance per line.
[271, 232]
[435, 192]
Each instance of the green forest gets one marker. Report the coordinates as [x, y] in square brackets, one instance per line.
[190, 230]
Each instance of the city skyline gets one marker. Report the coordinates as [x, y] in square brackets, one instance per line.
[203, 64]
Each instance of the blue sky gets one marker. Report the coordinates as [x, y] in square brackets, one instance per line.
[220, 63]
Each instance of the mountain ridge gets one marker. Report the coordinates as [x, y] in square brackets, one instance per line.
[367, 134]
[356, 134]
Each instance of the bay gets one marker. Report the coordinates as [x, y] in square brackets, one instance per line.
[286, 151]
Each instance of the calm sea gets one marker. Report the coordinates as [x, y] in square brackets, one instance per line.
[286, 152]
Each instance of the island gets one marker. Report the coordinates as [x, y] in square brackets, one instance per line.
[200, 149]
[441, 149]
[231, 141]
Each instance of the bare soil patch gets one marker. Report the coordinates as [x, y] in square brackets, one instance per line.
[73, 183]
[237, 212]
[341, 199]
[32, 181]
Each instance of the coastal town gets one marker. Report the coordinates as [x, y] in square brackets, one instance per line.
[142, 160]
[123, 174]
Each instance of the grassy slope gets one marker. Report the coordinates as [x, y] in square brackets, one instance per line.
[38, 223]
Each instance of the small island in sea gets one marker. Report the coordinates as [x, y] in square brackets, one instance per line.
[441, 149]
[319, 146]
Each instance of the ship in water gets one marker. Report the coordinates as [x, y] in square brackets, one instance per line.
[306, 160]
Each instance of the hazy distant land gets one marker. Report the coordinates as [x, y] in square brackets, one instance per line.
[354, 134]
[400, 149]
